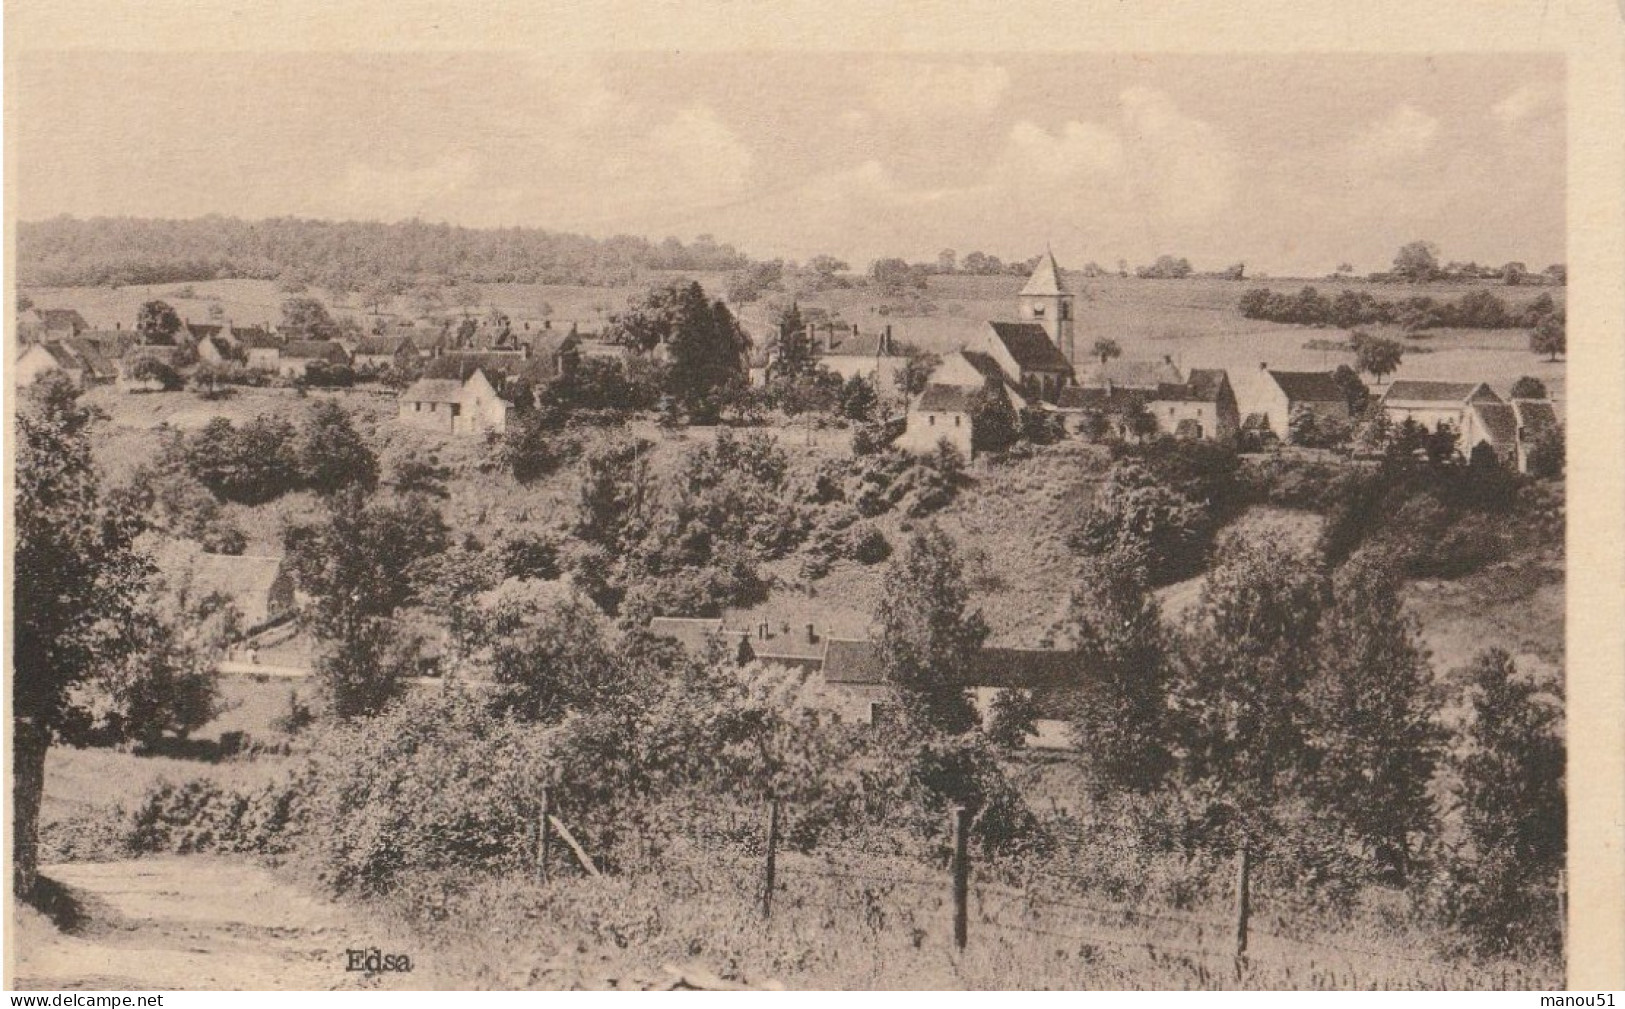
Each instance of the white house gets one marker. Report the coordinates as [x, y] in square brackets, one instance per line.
[470, 406]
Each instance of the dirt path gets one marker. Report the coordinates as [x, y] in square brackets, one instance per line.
[196, 922]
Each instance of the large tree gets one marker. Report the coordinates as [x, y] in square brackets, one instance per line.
[77, 584]
[1378, 356]
[307, 319]
[1550, 336]
[1417, 262]
[1120, 716]
[1373, 717]
[157, 323]
[929, 636]
[704, 342]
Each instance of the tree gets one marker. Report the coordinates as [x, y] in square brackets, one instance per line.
[1417, 262]
[1120, 716]
[1378, 356]
[1550, 337]
[1372, 717]
[157, 324]
[1513, 274]
[858, 400]
[1354, 390]
[796, 353]
[1166, 268]
[929, 637]
[1510, 765]
[1547, 454]
[256, 463]
[1558, 274]
[1135, 511]
[1246, 652]
[77, 580]
[1012, 717]
[358, 563]
[705, 343]
[332, 455]
[896, 276]
[915, 373]
[168, 684]
[994, 424]
[1105, 349]
[550, 658]
[307, 318]
[1527, 387]
[947, 261]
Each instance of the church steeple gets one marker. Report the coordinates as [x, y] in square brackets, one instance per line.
[1046, 301]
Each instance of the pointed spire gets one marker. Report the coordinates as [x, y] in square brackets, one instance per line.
[1046, 278]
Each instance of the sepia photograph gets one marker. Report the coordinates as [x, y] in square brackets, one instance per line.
[760, 518]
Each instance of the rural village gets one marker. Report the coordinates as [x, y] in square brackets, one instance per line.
[429, 574]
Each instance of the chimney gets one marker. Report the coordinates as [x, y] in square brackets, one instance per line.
[812, 638]
[885, 342]
[1263, 366]
[761, 630]
[1167, 359]
[524, 351]
[854, 329]
[548, 324]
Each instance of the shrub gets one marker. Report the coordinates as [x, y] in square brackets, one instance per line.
[866, 544]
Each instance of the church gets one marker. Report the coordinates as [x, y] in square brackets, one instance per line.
[1031, 358]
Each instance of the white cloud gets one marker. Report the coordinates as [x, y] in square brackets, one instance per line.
[1075, 149]
[711, 160]
[392, 193]
[914, 90]
[1407, 132]
[1528, 101]
[1182, 166]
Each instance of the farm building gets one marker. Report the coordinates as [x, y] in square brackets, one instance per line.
[295, 357]
[1202, 407]
[450, 406]
[260, 587]
[1269, 397]
[40, 324]
[1433, 403]
[940, 413]
[82, 360]
[383, 352]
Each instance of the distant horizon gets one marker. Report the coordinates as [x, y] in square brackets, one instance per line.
[722, 241]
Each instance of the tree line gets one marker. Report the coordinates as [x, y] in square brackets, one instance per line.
[339, 255]
[1416, 313]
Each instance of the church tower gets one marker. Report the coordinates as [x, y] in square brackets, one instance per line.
[1046, 301]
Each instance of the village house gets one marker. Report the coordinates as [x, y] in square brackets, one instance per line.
[260, 586]
[41, 324]
[1155, 400]
[1510, 429]
[940, 413]
[263, 352]
[452, 406]
[295, 357]
[1126, 373]
[870, 356]
[81, 359]
[1272, 396]
[1430, 404]
[1202, 407]
[381, 352]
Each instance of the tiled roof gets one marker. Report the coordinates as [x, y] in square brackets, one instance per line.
[1114, 400]
[1135, 374]
[946, 398]
[63, 318]
[434, 390]
[1025, 667]
[1499, 422]
[315, 350]
[1203, 386]
[383, 346]
[1309, 386]
[1535, 416]
[1030, 345]
[1408, 391]
[538, 367]
[852, 661]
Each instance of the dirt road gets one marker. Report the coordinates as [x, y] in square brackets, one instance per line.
[196, 922]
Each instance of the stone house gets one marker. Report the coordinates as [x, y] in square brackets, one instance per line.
[1454, 403]
[940, 413]
[450, 406]
[1270, 399]
[295, 357]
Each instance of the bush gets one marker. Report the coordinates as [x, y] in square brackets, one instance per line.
[866, 544]
[151, 369]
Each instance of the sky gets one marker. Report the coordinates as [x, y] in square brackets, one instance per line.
[1292, 164]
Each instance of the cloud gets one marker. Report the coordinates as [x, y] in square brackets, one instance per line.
[1086, 149]
[1407, 132]
[1527, 102]
[368, 191]
[712, 161]
[1184, 168]
[935, 90]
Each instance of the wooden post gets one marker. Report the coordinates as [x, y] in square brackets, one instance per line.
[575, 846]
[769, 874]
[961, 875]
[542, 835]
[1243, 902]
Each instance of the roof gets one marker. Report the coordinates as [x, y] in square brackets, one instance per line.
[1499, 422]
[1309, 386]
[92, 357]
[947, 399]
[257, 339]
[1409, 391]
[693, 633]
[246, 580]
[1535, 416]
[984, 364]
[1204, 386]
[62, 318]
[852, 661]
[434, 390]
[539, 367]
[315, 350]
[202, 330]
[1102, 400]
[1134, 374]
[1030, 345]
[384, 346]
[1046, 278]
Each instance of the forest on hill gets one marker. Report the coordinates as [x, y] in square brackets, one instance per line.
[339, 255]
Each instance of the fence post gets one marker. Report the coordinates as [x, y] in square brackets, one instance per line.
[542, 835]
[772, 856]
[961, 875]
[1243, 902]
